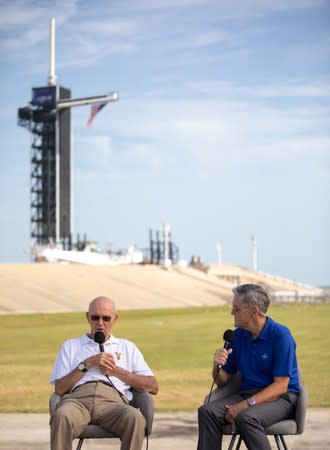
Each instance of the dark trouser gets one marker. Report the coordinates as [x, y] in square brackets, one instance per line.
[250, 423]
[101, 405]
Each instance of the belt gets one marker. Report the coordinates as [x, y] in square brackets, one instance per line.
[88, 382]
[122, 396]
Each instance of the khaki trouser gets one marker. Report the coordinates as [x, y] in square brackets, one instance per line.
[101, 405]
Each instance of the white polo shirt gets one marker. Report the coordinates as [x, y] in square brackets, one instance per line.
[126, 354]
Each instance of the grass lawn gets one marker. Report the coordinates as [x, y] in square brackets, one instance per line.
[178, 344]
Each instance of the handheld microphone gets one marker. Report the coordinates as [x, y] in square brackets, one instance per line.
[228, 337]
[99, 338]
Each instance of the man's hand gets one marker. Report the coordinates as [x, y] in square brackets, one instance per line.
[221, 356]
[107, 364]
[234, 410]
[104, 361]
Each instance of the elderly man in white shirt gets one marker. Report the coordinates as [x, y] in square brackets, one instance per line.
[95, 385]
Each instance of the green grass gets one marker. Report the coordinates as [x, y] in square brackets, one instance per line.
[178, 344]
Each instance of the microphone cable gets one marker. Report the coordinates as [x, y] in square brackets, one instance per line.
[124, 400]
[99, 338]
[209, 396]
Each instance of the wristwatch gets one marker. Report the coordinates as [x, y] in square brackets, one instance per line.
[82, 367]
[251, 401]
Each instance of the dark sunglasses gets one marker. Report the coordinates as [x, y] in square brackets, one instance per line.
[104, 318]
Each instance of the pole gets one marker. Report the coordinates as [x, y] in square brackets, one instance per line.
[52, 76]
[110, 97]
[219, 252]
[52, 82]
[166, 262]
[57, 174]
[254, 253]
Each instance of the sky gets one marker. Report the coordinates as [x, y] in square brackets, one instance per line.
[221, 129]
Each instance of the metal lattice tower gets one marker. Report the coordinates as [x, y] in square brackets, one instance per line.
[50, 135]
[43, 175]
[48, 118]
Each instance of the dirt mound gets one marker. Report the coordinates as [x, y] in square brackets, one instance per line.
[42, 287]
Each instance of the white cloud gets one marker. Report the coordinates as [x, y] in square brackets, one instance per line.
[291, 88]
[219, 8]
[26, 22]
[92, 152]
[207, 135]
[209, 37]
[296, 88]
[148, 155]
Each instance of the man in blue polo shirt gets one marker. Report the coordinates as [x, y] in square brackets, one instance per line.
[264, 353]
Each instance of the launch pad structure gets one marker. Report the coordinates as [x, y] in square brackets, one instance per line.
[48, 119]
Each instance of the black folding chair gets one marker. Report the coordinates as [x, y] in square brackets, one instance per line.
[287, 427]
[141, 400]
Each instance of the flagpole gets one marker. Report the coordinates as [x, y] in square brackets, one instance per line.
[111, 97]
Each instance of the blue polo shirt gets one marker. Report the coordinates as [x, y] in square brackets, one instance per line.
[271, 354]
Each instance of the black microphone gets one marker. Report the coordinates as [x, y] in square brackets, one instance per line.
[228, 337]
[99, 338]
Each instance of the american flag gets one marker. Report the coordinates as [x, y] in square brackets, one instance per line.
[94, 110]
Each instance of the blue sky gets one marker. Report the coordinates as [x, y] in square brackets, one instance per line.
[221, 130]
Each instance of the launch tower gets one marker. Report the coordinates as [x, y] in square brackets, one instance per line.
[48, 118]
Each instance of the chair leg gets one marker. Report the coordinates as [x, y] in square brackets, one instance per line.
[80, 443]
[232, 442]
[279, 439]
[239, 443]
[283, 442]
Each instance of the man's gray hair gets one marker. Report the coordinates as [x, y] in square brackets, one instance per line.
[253, 294]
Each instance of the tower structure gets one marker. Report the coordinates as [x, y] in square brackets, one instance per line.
[50, 160]
[48, 118]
